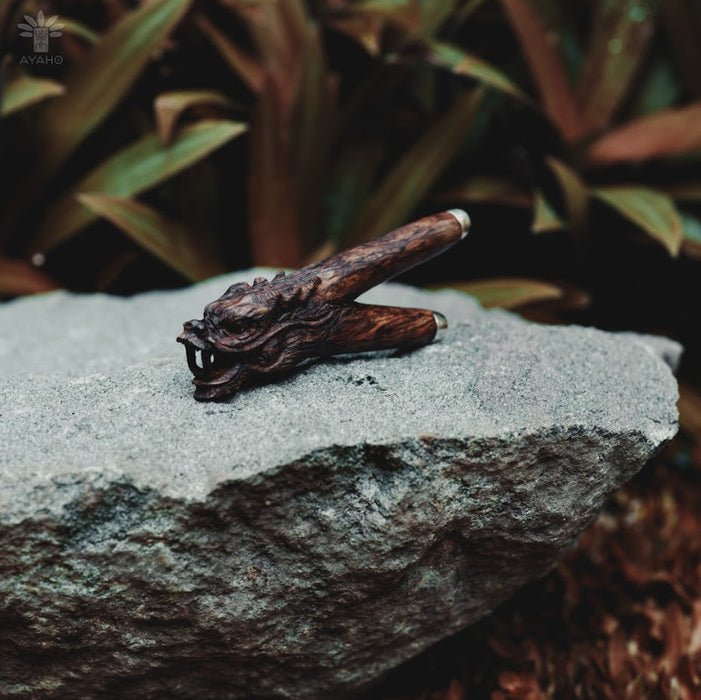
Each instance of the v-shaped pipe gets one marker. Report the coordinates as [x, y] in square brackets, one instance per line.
[254, 331]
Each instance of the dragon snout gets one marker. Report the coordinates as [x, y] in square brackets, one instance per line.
[195, 333]
[195, 326]
[195, 336]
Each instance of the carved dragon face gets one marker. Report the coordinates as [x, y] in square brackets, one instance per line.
[246, 332]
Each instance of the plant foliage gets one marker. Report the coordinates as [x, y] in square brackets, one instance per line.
[196, 136]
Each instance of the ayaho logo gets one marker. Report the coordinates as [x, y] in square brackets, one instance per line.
[40, 29]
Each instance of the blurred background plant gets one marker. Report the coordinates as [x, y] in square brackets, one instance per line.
[166, 141]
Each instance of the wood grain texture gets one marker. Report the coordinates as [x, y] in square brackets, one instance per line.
[256, 331]
[354, 271]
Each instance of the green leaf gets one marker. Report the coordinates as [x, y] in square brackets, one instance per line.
[415, 173]
[576, 195]
[96, 84]
[24, 90]
[462, 63]
[621, 33]
[421, 18]
[366, 21]
[463, 13]
[187, 252]
[18, 278]
[691, 244]
[651, 211]
[489, 189]
[135, 169]
[507, 293]
[168, 107]
[547, 68]
[405, 13]
[366, 30]
[78, 29]
[545, 219]
[433, 15]
[659, 89]
[666, 133]
[386, 7]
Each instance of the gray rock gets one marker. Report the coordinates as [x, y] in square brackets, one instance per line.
[305, 537]
[77, 334]
[666, 348]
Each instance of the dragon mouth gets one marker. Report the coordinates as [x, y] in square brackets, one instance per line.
[217, 374]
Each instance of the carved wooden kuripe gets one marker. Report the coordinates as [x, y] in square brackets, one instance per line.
[254, 331]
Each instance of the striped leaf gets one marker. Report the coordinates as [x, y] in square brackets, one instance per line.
[130, 171]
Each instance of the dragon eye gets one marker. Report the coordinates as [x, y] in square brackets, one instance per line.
[238, 325]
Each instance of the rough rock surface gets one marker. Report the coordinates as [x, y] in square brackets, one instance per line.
[306, 536]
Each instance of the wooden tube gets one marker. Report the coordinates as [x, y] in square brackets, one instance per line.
[362, 327]
[352, 272]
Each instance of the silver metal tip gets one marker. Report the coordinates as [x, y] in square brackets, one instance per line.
[441, 324]
[463, 219]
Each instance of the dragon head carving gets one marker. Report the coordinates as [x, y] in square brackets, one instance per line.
[253, 331]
